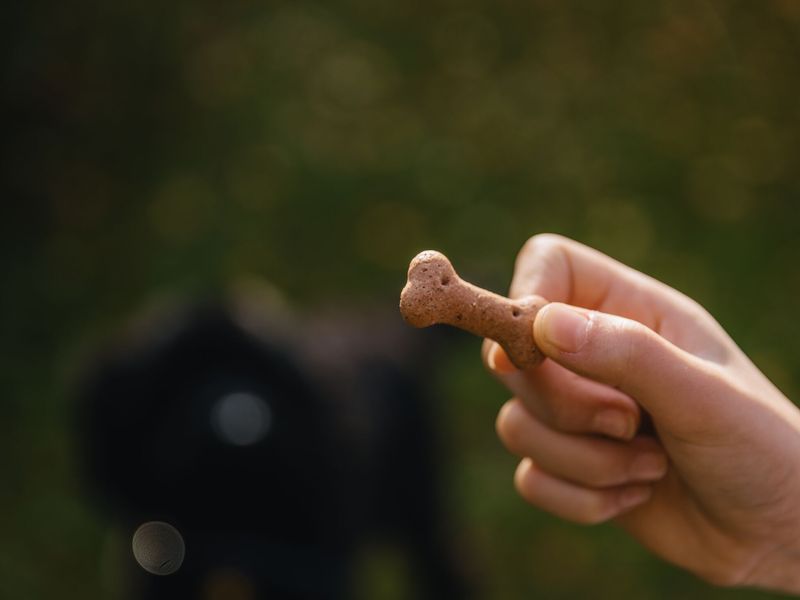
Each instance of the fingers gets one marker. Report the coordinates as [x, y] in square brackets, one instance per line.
[573, 502]
[562, 270]
[566, 401]
[584, 460]
[549, 265]
[676, 387]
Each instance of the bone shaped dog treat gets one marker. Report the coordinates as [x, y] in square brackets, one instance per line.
[435, 293]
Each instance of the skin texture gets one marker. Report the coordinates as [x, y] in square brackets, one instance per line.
[713, 484]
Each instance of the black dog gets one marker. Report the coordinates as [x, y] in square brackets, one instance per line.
[276, 450]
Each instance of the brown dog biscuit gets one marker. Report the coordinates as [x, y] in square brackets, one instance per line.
[435, 293]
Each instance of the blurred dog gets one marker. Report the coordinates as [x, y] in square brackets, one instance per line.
[278, 448]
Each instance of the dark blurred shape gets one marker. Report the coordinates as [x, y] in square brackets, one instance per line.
[158, 548]
[276, 448]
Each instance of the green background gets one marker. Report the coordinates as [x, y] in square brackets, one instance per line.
[163, 147]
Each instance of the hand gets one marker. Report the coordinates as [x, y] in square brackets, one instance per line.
[647, 413]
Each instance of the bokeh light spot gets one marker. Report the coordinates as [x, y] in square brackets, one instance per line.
[158, 548]
[241, 418]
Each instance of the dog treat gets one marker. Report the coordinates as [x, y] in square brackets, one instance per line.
[435, 293]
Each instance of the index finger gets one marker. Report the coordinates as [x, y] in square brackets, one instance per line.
[563, 270]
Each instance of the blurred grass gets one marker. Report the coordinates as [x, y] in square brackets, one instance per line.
[177, 146]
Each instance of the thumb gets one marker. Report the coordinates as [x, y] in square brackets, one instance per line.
[667, 381]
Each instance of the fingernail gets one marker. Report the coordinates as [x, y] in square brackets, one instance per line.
[491, 357]
[564, 327]
[634, 496]
[614, 423]
[649, 466]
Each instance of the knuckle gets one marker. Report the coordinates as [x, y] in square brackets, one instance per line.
[643, 339]
[631, 341]
[539, 244]
[539, 253]
[562, 417]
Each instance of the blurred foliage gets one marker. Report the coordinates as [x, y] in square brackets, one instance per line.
[155, 146]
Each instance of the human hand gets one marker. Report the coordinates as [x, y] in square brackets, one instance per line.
[714, 484]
